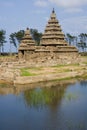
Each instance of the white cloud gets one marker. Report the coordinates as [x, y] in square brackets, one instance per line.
[41, 3]
[69, 3]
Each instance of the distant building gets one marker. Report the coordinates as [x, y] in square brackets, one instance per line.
[53, 47]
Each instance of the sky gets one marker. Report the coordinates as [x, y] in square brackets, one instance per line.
[16, 15]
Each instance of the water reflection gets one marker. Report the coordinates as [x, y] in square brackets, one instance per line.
[83, 83]
[44, 106]
[9, 88]
[46, 96]
[47, 93]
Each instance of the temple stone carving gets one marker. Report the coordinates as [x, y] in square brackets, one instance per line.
[53, 47]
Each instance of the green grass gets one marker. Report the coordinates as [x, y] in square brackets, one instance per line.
[85, 63]
[84, 76]
[35, 68]
[6, 56]
[25, 72]
[67, 78]
[66, 70]
[60, 65]
[84, 56]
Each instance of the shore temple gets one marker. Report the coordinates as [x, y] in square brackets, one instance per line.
[53, 48]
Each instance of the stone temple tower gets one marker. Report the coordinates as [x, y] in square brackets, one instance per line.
[53, 47]
[53, 35]
[27, 44]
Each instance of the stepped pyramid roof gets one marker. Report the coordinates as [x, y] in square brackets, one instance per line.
[53, 34]
[27, 41]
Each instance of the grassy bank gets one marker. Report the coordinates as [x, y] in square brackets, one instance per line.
[55, 73]
[22, 74]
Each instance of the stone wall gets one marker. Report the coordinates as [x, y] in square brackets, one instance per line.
[49, 58]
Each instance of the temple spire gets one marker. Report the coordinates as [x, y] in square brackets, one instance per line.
[27, 42]
[53, 35]
[53, 11]
[27, 28]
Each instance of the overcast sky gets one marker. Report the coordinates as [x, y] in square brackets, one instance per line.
[16, 15]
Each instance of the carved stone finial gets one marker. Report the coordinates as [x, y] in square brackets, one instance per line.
[27, 28]
[53, 11]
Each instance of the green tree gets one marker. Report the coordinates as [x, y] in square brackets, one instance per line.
[71, 39]
[2, 40]
[15, 38]
[36, 35]
[82, 41]
[19, 35]
[68, 38]
[12, 41]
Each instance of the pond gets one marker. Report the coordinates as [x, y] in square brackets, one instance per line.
[56, 107]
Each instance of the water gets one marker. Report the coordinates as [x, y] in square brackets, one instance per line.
[57, 107]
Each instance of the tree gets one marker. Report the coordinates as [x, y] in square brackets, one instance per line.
[2, 40]
[68, 38]
[12, 40]
[15, 38]
[71, 39]
[82, 41]
[36, 35]
[19, 35]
